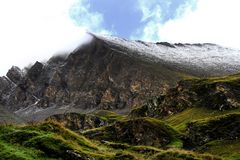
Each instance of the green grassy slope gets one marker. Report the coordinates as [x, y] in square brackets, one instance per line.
[180, 120]
[51, 141]
[213, 132]
[197, 132]
[140, 131]
[230, 149]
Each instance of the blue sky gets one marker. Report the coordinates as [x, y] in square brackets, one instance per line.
[34, 30]
[126, 18]
[120, 17]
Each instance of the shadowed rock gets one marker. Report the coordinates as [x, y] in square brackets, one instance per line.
[15, 74]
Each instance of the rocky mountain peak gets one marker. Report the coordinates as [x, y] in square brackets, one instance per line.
[108, 73]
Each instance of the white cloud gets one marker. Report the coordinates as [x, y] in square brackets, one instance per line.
[80, 12]
[150, 9]
[151, 16]
[32, 30]
[213, 21]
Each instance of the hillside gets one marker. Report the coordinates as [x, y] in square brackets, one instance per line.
[216, 93]
[109, 73]
[196, 132]
[51, 141]
[117, 99]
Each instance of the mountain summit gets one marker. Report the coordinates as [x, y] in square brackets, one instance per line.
[117, 99]
[109, 73]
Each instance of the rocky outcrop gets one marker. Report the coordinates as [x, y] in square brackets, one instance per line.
[6, 87]
[142, 131]
[35, 71]
[216, 128]
[213, 93]
[162, 106]
[78, 122]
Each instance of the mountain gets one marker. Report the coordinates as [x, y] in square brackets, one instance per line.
[117, 99]
[196, 59]
[109, 73]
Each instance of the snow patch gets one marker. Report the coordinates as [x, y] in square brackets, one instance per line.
[203, 56]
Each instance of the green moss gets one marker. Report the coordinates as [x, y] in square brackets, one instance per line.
[179, 121]
[176, 143]
[210, 122]
[67, 134]
[109, 116]
[229, 149]
[19, 136]
[50, 139]
[182, 155]
[233, 80]
[117, 145]
[50, 144]
[17, 152]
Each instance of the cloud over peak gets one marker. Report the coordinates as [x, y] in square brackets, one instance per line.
[199, 21]
[34, 30]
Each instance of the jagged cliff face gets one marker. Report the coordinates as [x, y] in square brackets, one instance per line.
[107, 73]
[200, 114]
[92, 77]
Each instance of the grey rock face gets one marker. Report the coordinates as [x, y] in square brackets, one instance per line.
[103, 74]
[15, 74]
[92, 77]
[35, 71]
[6, 87]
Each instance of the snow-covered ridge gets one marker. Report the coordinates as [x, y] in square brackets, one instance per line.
[203, 56]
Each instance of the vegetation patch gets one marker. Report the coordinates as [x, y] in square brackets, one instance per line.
[179, 121]
[140, 131]
[229, 149]
[215, 128]
[182, 155]
[78, 122]
[45, 141]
